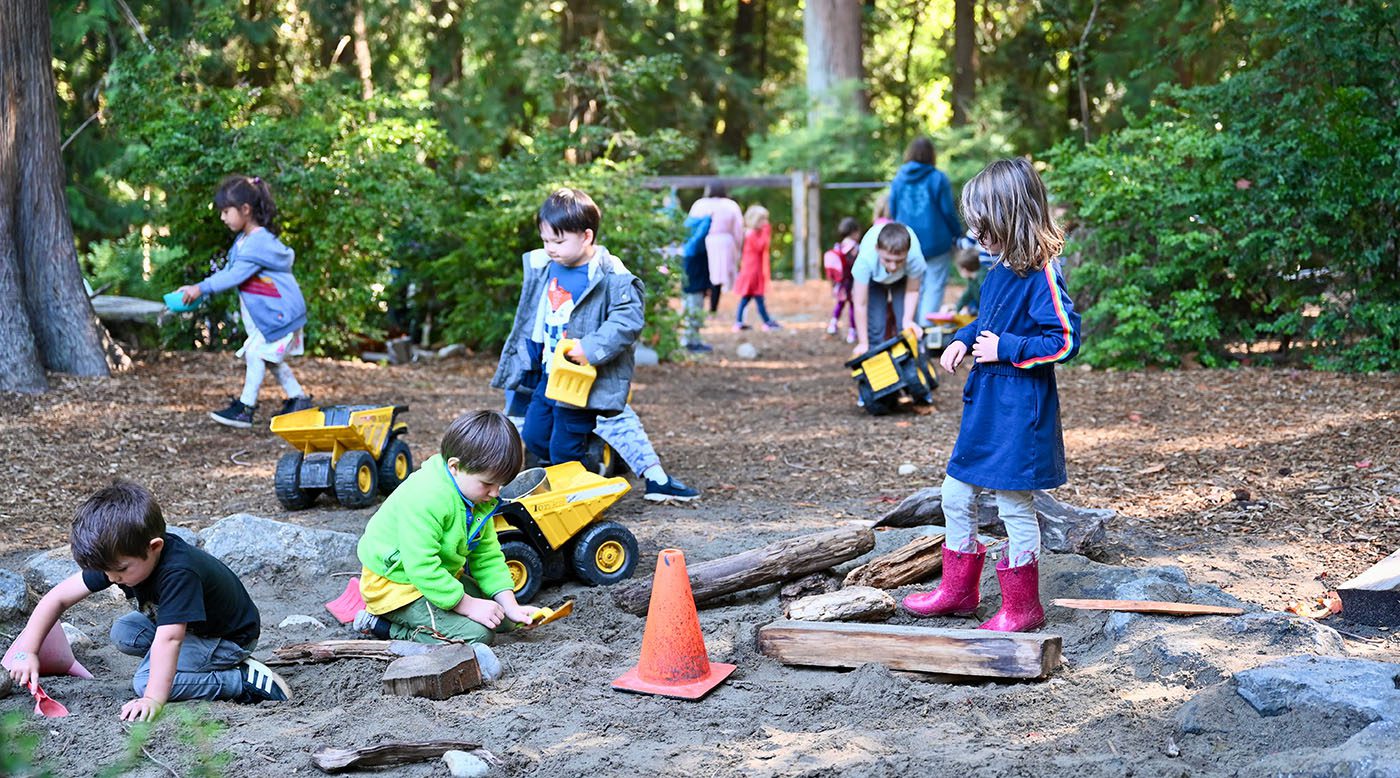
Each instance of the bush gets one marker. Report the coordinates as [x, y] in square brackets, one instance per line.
[1262, 208]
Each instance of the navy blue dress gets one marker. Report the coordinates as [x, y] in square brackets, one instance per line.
[1010, 436]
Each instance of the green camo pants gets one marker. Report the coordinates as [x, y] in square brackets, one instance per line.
[418, 620]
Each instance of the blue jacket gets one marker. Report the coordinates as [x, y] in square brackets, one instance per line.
[922, 197]
[1010, 437]
[260, 266]
[694, 256]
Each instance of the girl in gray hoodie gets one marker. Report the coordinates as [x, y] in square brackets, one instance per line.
[273, 309]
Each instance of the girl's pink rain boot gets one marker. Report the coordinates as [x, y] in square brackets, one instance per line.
[1020, 599]
[957, 593]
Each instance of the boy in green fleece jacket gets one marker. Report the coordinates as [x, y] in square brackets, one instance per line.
[433, 568]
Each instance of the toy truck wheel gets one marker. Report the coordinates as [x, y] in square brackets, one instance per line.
[395, 465]
[287, 482]
[603, 459]
[356, 478]
[604, 554]
[526, 569]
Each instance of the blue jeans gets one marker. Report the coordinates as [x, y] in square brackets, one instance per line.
[931, 290]
[886, 302]
[554, 433]
[762, 309]
[206, 670]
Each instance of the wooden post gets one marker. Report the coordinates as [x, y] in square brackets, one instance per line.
[974, 652]
[814, 227]
[780, 561]
[799, 226]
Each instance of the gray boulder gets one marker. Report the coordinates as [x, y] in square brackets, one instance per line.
[1333, 686]
[48, 569]
[183, 533]
[251, 545]
[14, 596]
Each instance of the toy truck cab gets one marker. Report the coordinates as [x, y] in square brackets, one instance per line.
[900, 364]
[548, 525]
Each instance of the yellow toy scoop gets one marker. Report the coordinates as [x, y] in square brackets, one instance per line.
[545, 615]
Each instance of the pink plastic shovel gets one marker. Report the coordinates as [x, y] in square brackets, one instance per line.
[347, 604]
[44, 705]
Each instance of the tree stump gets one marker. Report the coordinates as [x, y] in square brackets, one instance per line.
[437, 675]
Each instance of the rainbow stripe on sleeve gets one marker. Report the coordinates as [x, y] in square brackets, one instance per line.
[1059, 302]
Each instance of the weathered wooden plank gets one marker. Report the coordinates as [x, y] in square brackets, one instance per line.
[969, 652]
[332, 650]
[918, 560]
[781, 561]
[854, 603]
[1149, 606]
[437, 675]
[332, 760]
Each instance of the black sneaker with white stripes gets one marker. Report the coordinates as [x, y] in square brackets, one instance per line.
[260, 684]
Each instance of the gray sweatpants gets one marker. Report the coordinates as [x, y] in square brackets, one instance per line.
[1017, 512]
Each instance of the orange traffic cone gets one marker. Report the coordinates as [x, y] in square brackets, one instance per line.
[674, 662]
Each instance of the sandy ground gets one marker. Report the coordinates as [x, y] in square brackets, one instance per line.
[1262, 485]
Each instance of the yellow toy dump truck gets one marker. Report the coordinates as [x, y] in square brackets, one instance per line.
[350, 451]
[900, 364]
[549, 526]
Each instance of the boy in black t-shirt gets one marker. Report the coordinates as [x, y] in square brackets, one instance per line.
[195, 625]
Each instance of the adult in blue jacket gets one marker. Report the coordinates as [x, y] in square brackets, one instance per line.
[921, 196]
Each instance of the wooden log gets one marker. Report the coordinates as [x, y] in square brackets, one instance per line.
[1149, 606]
[781, 561]
[332, 650]
[969, 652]
[918, 560]
[854, 603]
[332, 760]
[444, 672]
[922, 507]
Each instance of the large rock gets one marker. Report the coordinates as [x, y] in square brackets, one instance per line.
[14, 597]
[1374, 752]
[1064, 528]
[253, 545]
[187, 535]
[1332, 686]
[48, 569]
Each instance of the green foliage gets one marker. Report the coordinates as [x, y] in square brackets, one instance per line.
[1262, 208]
[20, 742]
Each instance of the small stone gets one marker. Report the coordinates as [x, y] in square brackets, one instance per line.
[14, 596]
[746, 351]
[486, 662]
[646, 357]
[76, 637]
[300, 620]
[464, 765]
[452, 350]
[908, 468]
[6, 685]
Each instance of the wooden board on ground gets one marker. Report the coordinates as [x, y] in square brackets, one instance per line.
[1149, 606]
[334, 759]
[437, 675]
[853, 603]
[967, 652]
[918, 560]
[781, 561]
[332, 650]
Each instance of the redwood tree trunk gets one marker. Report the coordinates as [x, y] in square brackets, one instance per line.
[832, 30]
[964, 59]
[46, 320]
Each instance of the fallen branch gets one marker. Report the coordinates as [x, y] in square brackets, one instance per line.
[332, 650]
[918, 560]
[781, 561]
[332, 760]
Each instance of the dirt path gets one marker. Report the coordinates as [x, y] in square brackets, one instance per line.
[1272, 485]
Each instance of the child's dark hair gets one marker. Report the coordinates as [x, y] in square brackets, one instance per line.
[120, 520]
[967, 259]
[921, 150]
[570, 210]
[716, 189]
[238, 191]
[847, 226]
[1006, 205]
[894, 238]
[484, 442]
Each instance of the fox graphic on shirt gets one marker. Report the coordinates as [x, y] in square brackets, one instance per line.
[559, 307]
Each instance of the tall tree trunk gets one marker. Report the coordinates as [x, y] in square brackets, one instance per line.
[45, 317]
[738, 118]
[362, 61]
[832, 31]
[964, 59]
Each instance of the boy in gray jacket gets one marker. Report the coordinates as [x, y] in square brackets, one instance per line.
[572, 288]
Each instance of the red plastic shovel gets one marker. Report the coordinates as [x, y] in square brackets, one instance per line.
[44, 705]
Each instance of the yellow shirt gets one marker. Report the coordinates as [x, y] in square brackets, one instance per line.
[383, 596]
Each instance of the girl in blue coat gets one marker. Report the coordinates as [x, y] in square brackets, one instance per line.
[1010, 441]
[270, 301]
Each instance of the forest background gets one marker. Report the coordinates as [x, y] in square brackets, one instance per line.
[1229, 169]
